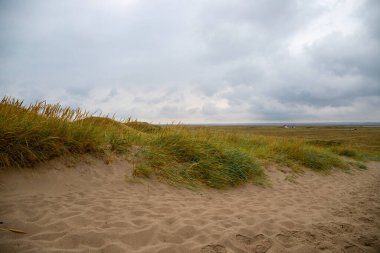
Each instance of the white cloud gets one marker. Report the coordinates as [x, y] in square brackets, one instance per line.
[339, 17]
[194, 62]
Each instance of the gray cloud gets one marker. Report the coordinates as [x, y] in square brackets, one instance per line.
[207, 61]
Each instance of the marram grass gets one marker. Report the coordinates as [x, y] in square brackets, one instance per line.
[39, 132]
[176, 154]
[183, 157]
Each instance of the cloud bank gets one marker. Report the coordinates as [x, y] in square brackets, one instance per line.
[196, 61]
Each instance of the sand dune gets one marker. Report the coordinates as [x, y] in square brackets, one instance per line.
[92, 207]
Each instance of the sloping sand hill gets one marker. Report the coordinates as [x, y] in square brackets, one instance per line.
[92, 207]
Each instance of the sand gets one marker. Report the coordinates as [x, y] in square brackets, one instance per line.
[93, 207]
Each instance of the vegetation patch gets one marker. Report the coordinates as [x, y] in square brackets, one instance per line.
[216, 157]
[182, 157]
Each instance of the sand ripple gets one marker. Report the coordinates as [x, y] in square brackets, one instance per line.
[95, 208]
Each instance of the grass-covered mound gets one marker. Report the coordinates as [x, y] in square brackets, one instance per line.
[41, 131]
[183, 157]
[143, 126]
[176, 154]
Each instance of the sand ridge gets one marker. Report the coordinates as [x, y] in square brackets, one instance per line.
[88, 206]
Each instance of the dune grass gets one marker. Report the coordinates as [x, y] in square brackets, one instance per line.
[192, 156]
[182, 157]
[39, 132]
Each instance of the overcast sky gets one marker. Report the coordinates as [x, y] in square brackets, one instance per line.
[196, 61]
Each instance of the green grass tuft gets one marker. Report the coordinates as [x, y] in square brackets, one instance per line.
[182, 157]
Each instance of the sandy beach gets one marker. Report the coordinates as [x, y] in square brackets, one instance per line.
[87, 206]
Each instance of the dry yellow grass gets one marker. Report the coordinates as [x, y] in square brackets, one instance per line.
[213, 156]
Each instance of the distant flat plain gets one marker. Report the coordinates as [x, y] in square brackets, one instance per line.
[363, 137]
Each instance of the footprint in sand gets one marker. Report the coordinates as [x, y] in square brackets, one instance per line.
[350, 248]
[370, 240]
[257, 244]
[326, 229]
[344, 227]
[291, 238]
[215, 248]
[366, 219]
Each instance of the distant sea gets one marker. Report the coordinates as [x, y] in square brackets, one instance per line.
[311, 124]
